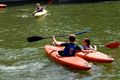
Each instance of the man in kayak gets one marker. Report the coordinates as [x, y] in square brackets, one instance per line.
[86, 45]
[70, 47]
[39, 8]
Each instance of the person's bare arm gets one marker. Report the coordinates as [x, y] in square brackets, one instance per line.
[55, 41]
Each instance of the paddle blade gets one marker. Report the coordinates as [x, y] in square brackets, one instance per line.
[50, 2]
[34, 38]
[112, 45]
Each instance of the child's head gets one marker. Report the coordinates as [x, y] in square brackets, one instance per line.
[38, 4]
[72, 38]
[86, 42]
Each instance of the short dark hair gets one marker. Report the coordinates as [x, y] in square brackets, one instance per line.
[72, 37]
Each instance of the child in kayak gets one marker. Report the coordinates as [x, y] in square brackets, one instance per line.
[39, 8]
[86, 45]
[70, 47]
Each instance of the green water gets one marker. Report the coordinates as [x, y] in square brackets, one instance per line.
[21, 60]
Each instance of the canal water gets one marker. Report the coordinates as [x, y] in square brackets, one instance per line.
[21, 60]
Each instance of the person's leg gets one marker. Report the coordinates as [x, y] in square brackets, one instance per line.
[61, 53]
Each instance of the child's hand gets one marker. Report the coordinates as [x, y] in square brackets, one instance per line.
[95, 47]
[53, 36]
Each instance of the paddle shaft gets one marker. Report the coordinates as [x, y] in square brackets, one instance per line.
[68, 34]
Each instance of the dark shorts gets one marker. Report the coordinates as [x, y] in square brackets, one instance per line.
[61, 53]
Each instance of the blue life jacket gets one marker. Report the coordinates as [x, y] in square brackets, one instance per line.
[70, 50]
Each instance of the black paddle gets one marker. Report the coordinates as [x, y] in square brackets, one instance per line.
[37, 38]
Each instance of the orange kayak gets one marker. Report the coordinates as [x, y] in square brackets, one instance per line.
[96, 57]
[2, 5]
[73, 62]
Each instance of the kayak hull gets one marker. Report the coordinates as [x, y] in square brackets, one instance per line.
[96, 57]
[73, 62]
[3, 5]
[38, 14]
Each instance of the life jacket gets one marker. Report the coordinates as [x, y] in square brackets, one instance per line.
[39, 9]
[86, 47]
[70, 50]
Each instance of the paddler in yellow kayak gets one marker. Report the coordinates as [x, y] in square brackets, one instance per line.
[39, 8]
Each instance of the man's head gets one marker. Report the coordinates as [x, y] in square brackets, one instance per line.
[72, 37]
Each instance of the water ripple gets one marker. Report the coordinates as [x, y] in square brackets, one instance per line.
[27, 67]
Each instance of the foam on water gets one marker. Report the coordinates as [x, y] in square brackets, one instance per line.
[27, 67]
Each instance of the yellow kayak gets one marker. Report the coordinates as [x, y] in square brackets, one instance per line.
[38, 14]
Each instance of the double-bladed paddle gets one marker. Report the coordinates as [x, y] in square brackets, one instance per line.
[37, 38]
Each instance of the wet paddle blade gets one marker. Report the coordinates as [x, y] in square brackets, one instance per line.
[50, 2]
[113, 45]
[34, 38]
